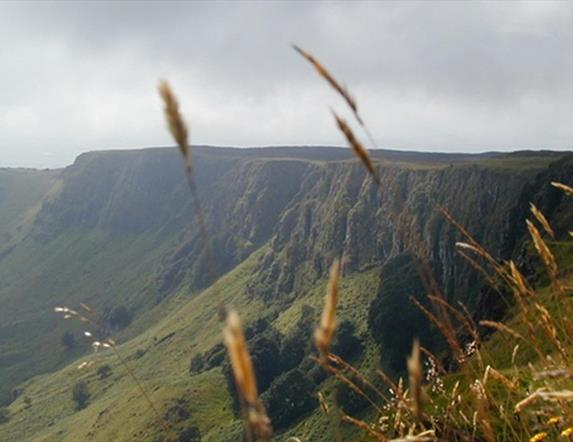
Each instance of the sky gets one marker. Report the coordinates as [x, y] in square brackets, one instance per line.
[438, 76]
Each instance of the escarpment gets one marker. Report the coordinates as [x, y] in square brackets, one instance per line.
[118, 229]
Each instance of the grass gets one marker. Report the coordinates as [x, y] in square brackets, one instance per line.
[500, 399]
[21, 195]
[190, 325]
[163, 369]
[116, 406]
[63, 272]
[164, 338]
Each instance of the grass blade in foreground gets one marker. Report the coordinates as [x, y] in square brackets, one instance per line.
[175, 123]
[325, 331]
[360, 151]
[257, 423]
[323, 72]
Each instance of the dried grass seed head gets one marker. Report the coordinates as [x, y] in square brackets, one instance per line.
[241, 363]
[175, 122]
[324, 333]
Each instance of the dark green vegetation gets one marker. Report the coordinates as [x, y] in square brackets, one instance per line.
[116, 231]
[80, 394]
[4, 414]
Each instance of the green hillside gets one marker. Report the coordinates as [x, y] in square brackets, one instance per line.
[21, 194]
[117, 229]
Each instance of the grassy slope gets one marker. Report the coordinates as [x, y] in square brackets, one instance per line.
[163, 365]
[95, 268]
[21, 193]
[518, 361]
[120, 413]
[500, 345]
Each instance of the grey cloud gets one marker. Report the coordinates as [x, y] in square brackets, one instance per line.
[434, 75]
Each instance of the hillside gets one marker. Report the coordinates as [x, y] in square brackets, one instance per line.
[117, 229]
[21, 195]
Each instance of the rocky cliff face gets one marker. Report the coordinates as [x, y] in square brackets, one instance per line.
[311, 209]
[339, 210]
[119, 228]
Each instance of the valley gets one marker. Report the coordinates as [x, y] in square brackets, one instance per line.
[116, 231]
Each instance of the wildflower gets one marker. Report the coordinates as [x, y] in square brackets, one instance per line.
[567, 432]
[538, 437]
[554, 420]
[470, 349]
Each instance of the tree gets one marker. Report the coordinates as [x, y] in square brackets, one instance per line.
[298, 342]
[80, 394]
[104, 371]
[394, 320]
[290, 396]
[265, 353]
[350, 401]
[346, 344]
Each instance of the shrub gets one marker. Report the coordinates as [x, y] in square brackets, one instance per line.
[191, 434]
[69, 341]
[119, 317]
[80, 394]
[139, 353]
[231, 387]
[256, 328]
[104, 371]
[290, 397]
[298, 343]
[197, 364]
[346, 344]
[214, 357]
[16, 393]
[264, 352]
[177, 412]
[350, 401]
[393, 320]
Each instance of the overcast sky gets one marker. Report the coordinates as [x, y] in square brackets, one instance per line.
[440, 76]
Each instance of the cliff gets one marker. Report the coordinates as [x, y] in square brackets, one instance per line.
[118, 229]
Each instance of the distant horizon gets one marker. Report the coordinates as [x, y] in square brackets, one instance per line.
[434, 76]
[274, 146]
